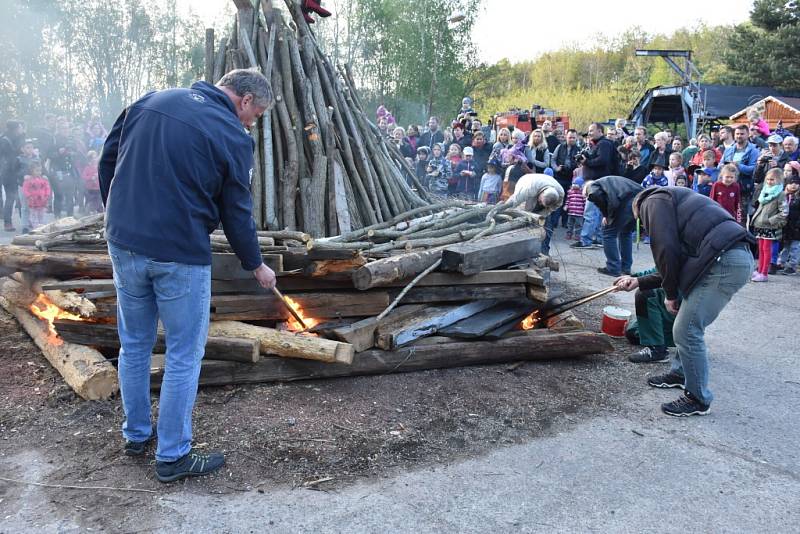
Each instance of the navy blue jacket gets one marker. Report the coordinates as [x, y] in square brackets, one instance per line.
[176, 163]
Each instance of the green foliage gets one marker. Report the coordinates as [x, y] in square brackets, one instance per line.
[766, 50]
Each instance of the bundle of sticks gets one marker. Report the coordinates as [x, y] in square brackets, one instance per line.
[438, 286]
[321, 166]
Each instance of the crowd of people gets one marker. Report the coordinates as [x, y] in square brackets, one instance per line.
[50, 169]
[748, 169]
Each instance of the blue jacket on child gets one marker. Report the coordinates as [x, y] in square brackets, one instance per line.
[175, 164]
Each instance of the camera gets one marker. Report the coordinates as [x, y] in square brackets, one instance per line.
[582, 156]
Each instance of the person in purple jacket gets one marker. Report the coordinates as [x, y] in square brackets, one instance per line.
[177, 163]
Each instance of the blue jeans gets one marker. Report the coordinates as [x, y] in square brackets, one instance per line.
[790, 254]
[698, 310]
[618, 243]
[549, 227]
[180, 296]
[591, 223]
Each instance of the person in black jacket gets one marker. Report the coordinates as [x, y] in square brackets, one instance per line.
[613, 196]
[703, 257]
[175, 164]
[790, 254]
[564, 164]
[432, 136]
[10, 143]
[602, 159]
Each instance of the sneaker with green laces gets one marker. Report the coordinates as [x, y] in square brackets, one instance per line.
[194, 464]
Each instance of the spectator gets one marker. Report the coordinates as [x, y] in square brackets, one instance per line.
[662, 149]
[550, 136]
[564, 163]
[433, 135]
[726, 137]
[705, 143]
[91, 184]
[26, 158]
[481, 152]
[468, 180]
[681, 181]
[754, 118]
[702, 182]
[689, 152]
[96, 138]
[400, 139]
[656, 177]
[63, 172]
[10, 143]
[36, 192]
[726, 191]
[677, 145]
[602, 158]
[710, 165]
[491, 183]
[45, 136]
[676, 169]
[575, 204]
[537, 152]
[634, 170]
[459, 136]
[790, 147]
[643, 145]
[503, 142]
[613, 196]
[744, 155]
[412, 133]
[771, 158]
[516, 167]
[790, 254]
[706, 279]
[768, 220]
[421, 163]
[592, 218]
[756, 139]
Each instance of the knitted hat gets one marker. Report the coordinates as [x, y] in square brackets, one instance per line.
[577, 181]
[548, 171]
[468, 151]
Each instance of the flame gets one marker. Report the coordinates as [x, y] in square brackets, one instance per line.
[293, 323]
[44, 309]
[530, 321]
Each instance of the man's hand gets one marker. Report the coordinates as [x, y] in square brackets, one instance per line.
[626, 283]
[604, 221]
[265, 276]
[672, 306]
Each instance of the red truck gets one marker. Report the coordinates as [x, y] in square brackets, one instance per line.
[524, 119]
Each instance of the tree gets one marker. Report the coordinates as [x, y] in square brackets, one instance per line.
[766, 49]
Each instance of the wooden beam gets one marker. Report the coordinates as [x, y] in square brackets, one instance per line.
[286, 344]
[418, 295]
[426, 323]
[317, 305]
[473, 257]
[105, 335]
[395, 268]
[425, 354]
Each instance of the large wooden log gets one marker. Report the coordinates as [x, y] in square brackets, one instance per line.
[317, 305]
[482, 254]
[394, 268]
[428, 353]
[361, 334]
[227, 348]
[286, 344]
[57, 264]
[84, 369]
[66, 300]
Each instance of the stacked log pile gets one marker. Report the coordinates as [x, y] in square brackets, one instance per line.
[437, 286]
[320, 165]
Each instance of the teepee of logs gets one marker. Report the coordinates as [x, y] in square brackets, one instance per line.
[321, 166]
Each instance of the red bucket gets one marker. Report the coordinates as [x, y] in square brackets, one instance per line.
[614, 321]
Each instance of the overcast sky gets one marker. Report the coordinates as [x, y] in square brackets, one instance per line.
[524, 29]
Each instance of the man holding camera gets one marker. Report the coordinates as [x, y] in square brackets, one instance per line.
[599, 158]
[771, 157]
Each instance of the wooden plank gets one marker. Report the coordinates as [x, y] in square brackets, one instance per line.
[361, 334]
[488, 253]
[226, 266]
[523, 346]
[427, 323]
[417, 295]
[317, 305]
[491, 319]
[105, 335]
[536, 293]
[534, 278]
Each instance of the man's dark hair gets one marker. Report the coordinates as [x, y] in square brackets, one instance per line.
[740, 127]
[572, 130]
[600, 127]
[726, 128]
[249, 81]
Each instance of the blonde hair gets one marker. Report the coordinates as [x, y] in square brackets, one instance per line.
[753, 114]
[730, 168]
[507, 131]
[776, 174]
[541, 145]
[677, 155]
[661, 135]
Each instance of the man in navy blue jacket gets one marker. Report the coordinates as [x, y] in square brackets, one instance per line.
[176, 164]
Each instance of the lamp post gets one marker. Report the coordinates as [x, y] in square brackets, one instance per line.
[455, 18]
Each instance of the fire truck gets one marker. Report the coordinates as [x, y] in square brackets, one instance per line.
[529, 120]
